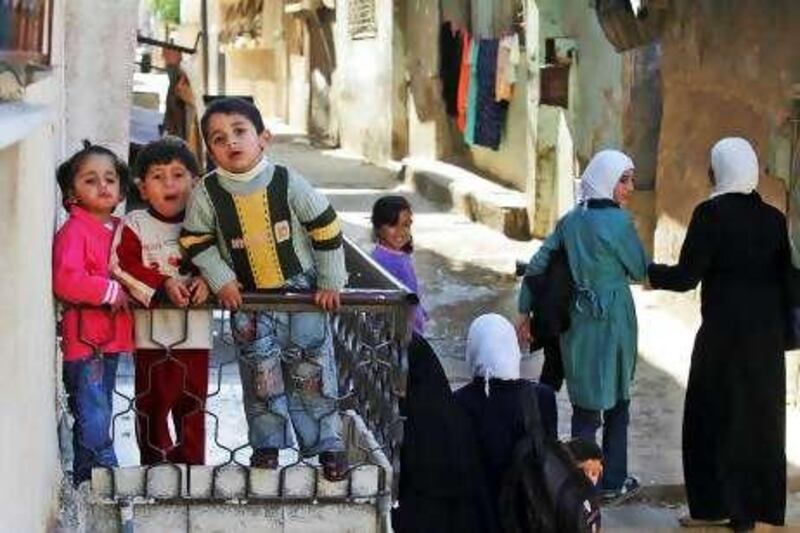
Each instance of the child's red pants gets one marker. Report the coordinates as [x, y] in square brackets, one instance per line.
[175, 385]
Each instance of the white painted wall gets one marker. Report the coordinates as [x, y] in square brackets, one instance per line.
[86, 93]
[100, 39]
[29, 458]
[362, 85]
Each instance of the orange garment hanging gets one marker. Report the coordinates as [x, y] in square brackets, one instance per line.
[463, 81]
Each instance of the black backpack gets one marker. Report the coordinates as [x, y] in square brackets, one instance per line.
[544, 491]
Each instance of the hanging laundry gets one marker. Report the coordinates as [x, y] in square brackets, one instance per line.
[463, 81]
[490, 114]
[502, 89]
[515, 57]
[449, 66]
[472, 94]
[507, 62]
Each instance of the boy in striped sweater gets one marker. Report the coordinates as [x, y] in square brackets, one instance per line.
[172, 345]
[250, 225]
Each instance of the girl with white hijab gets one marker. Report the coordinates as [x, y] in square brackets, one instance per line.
[599, 349]
[733, 424]
[492, 400]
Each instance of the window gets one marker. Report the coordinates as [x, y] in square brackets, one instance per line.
[554, 77]
[361, 22]
[25, 30]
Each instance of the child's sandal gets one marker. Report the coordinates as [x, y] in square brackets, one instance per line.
[264, 458]
[334, 465]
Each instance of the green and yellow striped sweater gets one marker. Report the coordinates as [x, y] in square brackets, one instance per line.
[263, 231]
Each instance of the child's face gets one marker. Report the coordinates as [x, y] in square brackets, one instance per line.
[234, 143]
[593, 469]
[398, 235]
[96, 186]
[166, 187]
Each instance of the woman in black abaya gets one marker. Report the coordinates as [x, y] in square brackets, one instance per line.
[734, 417]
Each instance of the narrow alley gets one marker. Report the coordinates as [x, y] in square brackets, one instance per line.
[466, 269]
[278, 397]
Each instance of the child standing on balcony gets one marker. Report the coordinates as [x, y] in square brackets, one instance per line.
[147, 261]
[255, 225]
[96, 327]
[391, 228]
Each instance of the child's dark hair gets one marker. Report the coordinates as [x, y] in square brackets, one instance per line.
[232, 106]
[584, 450]
[68, 170]
[165, 151]
[386, 212]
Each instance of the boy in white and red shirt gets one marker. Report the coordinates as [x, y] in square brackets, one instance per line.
[172, 346]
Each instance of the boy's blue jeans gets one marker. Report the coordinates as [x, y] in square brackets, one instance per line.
[585, 423]
[295, 352]
[90, 387]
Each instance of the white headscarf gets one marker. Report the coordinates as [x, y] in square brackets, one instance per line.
[735, 166]
[602, 174]
[492, 348]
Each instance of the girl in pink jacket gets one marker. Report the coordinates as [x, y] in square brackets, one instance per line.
[96, 326]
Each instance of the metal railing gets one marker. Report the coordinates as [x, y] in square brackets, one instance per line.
[370, 333]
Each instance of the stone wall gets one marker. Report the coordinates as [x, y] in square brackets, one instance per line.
[596, 96]
[362, 84]
[727, 69]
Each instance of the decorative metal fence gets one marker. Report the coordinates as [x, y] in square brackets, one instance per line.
[369, 336]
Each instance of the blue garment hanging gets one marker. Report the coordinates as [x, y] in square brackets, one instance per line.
[490, 113]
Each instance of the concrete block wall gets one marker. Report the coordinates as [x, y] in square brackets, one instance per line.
[233, 497]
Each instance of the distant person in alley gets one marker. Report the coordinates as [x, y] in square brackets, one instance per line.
[253, 224]
[394, 246]
[180, 109]
[737, 246]
[147, 260]
[599, 349]
[96, 326]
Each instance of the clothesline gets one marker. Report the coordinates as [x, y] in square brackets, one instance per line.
[478, 77]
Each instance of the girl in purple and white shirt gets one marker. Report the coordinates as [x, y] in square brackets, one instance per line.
[391, 225]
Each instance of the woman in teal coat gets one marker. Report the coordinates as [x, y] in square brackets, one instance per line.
[599, 350]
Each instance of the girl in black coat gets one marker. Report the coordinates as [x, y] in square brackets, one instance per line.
[734, 416]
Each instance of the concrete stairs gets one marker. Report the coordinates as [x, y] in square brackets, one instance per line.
[478, 198]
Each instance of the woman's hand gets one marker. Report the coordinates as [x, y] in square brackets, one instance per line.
[523, 327]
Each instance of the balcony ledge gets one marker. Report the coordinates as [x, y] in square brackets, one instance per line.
[19, 119]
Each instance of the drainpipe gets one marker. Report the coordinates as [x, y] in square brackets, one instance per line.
[204, 29]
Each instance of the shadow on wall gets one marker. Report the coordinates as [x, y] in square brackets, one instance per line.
[726, 71]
